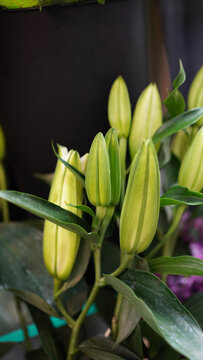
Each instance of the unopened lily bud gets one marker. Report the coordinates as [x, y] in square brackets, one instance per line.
[147, 118]
[119, 108]
[140, 211]
[60, 246]
[191, 169]
[115, 165]
[179, 144]
[195, 95]
[97, 175]
[2, 144]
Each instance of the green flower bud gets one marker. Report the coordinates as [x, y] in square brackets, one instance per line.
[191, 169]
[2, 144]
[140, 211]
[195, 95]
[97, 175]
[119, 108]
[60, 246]
[147, 118]
[115, 165]
[179, 144]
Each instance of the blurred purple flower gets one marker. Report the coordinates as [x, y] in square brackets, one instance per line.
[192, 233]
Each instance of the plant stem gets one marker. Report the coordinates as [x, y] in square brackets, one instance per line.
[123, 148]
[3, 186]
[70, 321]
[170, 231]
[114, 323]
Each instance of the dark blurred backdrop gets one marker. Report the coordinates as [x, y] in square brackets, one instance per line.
[57, 66]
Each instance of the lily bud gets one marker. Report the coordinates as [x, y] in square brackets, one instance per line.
[195, 95]
[179, 144]
[147, 118]
[140, 211]
[60, 246]
[191, 169]
[119, 108]
[97, 175]
[115, 165]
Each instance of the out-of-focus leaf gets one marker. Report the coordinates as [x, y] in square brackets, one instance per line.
[180, 195]
[195, 305]
[102, 348]
[169, 174]
[51, 212]
[110, 257]
[105, 304]
[26, 4]
[134, 341]
[47, 178]
[175, 103]
[75, 297]
[160, 308]
[177, 123]
[36, 355]
[165, 153]
[179, 265]
[47, 333]
[5, 347]
[127, 321]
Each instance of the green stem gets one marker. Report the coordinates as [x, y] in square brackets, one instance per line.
[70, 321]
[123, 149]
[170, 231]
[3, 186]
[115, 318]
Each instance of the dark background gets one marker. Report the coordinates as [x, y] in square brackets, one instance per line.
[57, 66]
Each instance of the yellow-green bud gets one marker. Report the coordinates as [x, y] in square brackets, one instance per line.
[147, 118]
[195, 95]
[191, 169]
[115, 165]
[2, 144]
[119, 108]
[97, 175]
[60, 246]
[179, 144]
[140, 211]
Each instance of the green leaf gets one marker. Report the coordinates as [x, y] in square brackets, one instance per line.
[47, 333]
[22, 269]
[84, 208]
[127, 321]
[177, 123]
[20, 4]
[180, 265]
[181, 77]
[195, 305]
[179, 195]
[110, 257]
[102, 348]
[80, 176]
[160, 308]
[51, 212]
[175, 103]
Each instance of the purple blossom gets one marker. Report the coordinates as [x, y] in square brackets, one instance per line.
[192, 233]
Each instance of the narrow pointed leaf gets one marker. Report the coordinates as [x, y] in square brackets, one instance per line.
[80, 176]
[5, 347]
[51, 212]
[177, 123]
[160, 308]
[84, 208]
[102, 348]
[180, 195]
[180, 78]
[180, 265]
[47, 333]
